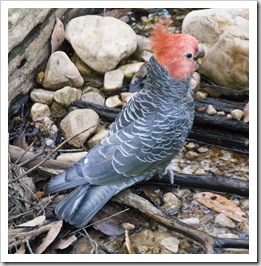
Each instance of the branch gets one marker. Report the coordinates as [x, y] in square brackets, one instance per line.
[209, 243]
[211, 182]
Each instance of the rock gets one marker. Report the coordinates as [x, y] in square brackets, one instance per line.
[71, 157]
[86, 72]
[224, 34]
[199, 172]
[195, 81]
[191, 155]
[229, 117]
[61, 72]
[191, 221]
[57, 109]
[40, 78]
[130, 70]
[224, 221]
[42, 96]
[75, 122]
[203, 149]
[170, 243]
[211, 110]
[97, 138]
[171, 203]
[145, 56]
[191, 146]
[50, 142]
[67, 95]
[93, 96]
[237, 114]
[183, 192]
[39, 110]
[143, 50]
[113, 81]
[126, 96]
[113, 101]
[221, 113]
[101, 42]
[201, 95]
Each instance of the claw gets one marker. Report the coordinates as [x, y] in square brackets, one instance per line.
[169, 171]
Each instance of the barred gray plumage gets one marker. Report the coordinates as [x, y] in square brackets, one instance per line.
[146, 135]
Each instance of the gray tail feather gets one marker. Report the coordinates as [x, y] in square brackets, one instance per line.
[83, 203]
[71, 178]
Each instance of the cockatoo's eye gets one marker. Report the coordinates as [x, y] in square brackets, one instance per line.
[189, 55]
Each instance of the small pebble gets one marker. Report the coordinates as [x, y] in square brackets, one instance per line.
[229, 117]
[191, 155]
[221, 113]
[113, 81]
[39, 110]
[237, 114]
[201, 95]
[224, 221]
[200, 172]
[211, 110]
[113, 101]
[170, 243]
[202, 149]
[191, 146]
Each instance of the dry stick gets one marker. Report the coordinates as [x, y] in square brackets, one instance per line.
[128, 198]
[49, 155]
[21, 156]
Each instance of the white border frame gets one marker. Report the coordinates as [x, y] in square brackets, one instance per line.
[252, 256]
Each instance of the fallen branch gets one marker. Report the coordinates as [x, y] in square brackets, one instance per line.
[208, 242]
[213, 130]
[211, 182]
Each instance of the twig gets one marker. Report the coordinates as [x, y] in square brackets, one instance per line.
[21, 156]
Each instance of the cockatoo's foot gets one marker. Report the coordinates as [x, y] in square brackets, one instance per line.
[169, 171]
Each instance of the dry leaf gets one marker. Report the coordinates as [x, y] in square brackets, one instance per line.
[35, 222]
[246, 113]
[65, 242]
[221, 204]
[58, 35]
[38, 195]
[51, 235]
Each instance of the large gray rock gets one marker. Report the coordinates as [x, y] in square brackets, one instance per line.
[101, 42]
[224, 33]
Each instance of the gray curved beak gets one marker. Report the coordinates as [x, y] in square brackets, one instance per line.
[200, 53]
